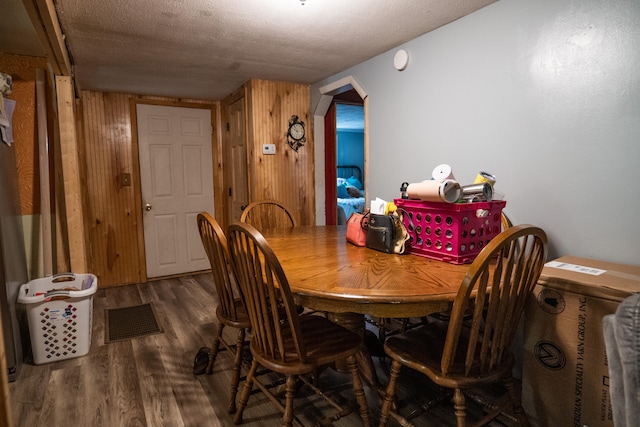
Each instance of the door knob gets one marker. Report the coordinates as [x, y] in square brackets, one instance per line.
[147, 207]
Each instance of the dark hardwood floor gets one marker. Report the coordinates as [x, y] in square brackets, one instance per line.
[148, 381]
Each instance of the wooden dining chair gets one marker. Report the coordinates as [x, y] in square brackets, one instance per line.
[283, 341]
[505, 221]
[265, 214]
[389, 326]
[230, 310]
[464, 354]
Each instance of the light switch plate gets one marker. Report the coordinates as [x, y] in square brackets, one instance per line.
[268, 148]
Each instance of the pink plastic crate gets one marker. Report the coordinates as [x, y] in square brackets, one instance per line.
[451, 232]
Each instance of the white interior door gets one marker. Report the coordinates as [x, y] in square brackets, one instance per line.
[176, 174]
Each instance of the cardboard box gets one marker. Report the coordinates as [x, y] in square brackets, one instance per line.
[564, 373]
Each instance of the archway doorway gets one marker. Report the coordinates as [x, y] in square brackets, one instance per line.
[344, 157]
[325, 183]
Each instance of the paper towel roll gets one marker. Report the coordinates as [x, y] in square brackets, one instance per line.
[442, 172]
[435, 191]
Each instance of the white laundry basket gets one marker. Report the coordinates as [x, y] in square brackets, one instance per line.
[60, 314]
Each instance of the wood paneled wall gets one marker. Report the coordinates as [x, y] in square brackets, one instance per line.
[114, 211]
[107, 148]
[109, 145]
[287, 176]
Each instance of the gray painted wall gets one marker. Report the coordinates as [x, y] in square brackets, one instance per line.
[544, 94]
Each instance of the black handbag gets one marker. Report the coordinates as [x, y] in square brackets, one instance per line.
[386, 233]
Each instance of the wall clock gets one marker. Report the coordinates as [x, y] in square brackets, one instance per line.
[296, 133]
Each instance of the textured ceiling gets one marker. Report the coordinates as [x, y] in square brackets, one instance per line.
[207, 48]
[349, 117]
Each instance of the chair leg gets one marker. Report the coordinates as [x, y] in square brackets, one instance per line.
[215, 346]
[246, 391]
[460, 407]
[292, 386]
[389, 395]
[515, 396]
[509, 404]
[235, 374]
[359, 391]
[382, 329]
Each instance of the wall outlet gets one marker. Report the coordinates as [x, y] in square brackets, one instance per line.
[268, 148]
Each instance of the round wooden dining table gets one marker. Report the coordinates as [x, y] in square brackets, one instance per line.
[327, 273]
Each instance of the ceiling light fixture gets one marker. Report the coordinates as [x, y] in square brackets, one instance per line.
[302, 2]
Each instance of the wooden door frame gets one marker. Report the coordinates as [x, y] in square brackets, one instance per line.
[328, 92]
[331, 193]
